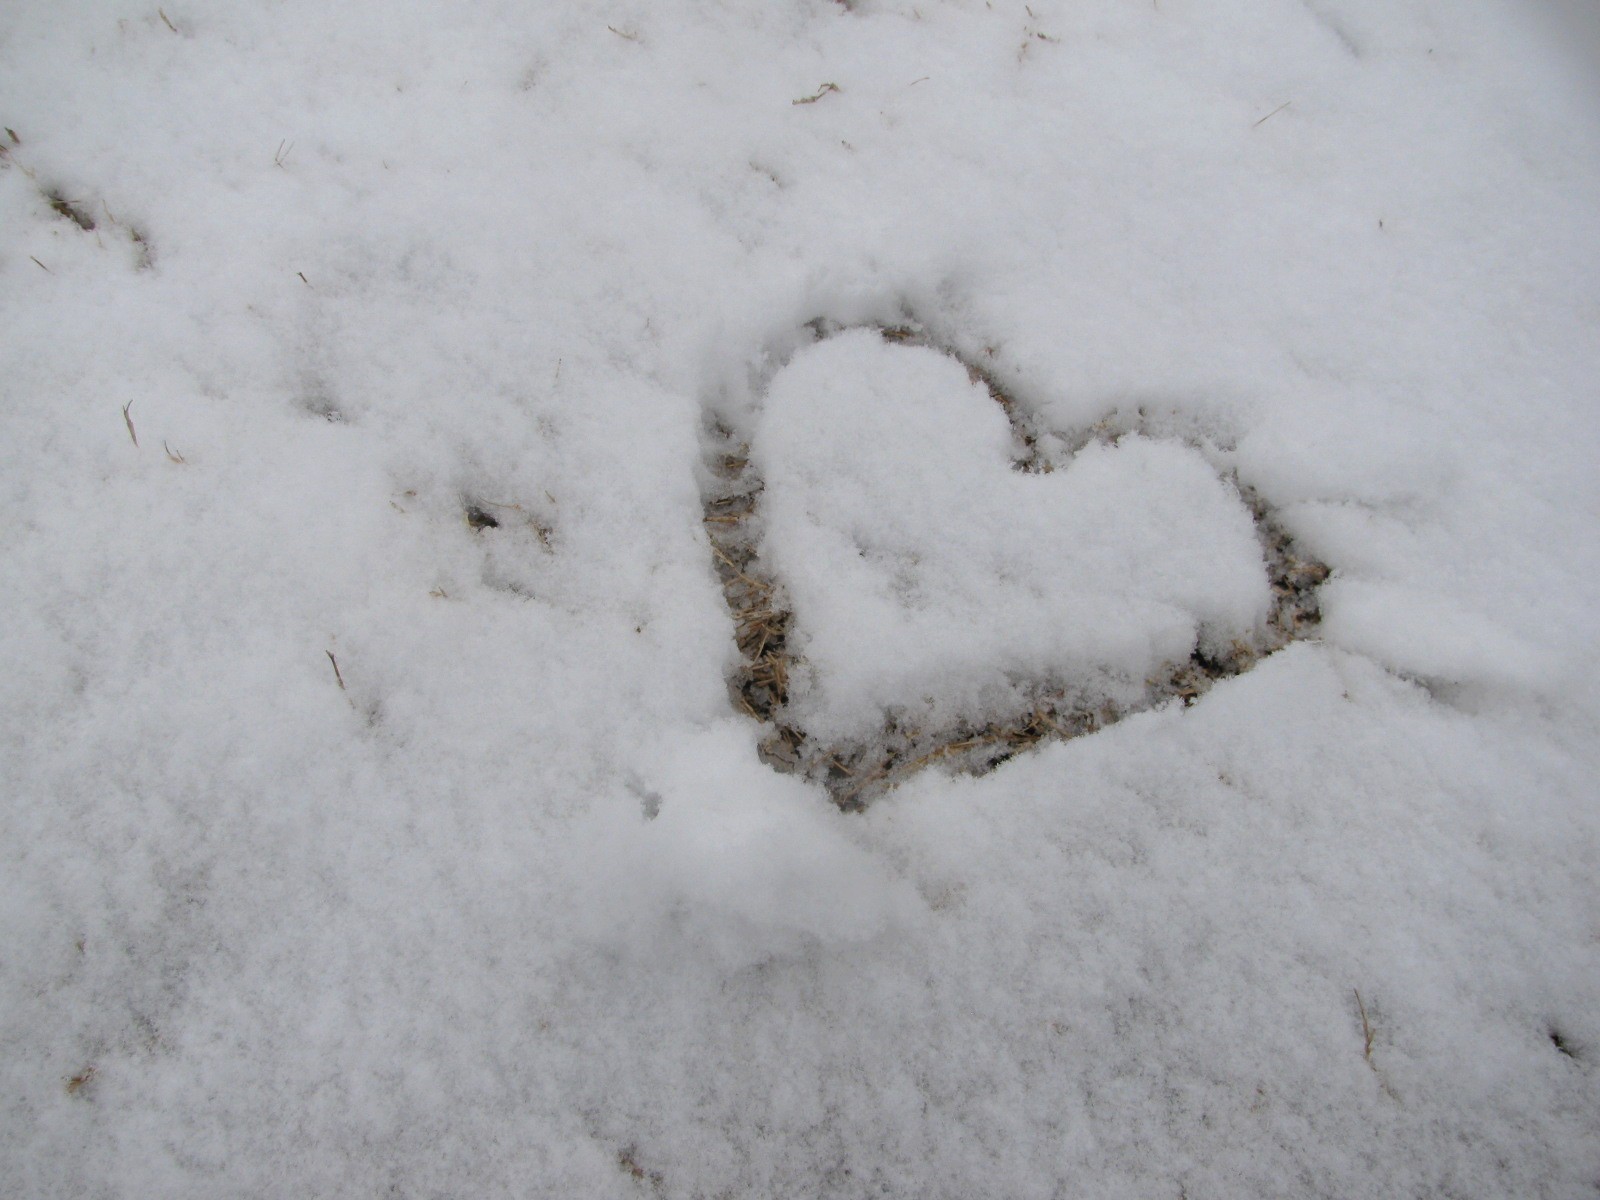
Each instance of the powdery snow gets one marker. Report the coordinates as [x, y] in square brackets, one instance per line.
[921, 564]
[376, 818]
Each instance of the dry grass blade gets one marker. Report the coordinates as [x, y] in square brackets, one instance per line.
[1366, 1027]
[1272, 114]
[70, 210]
[127, 419]
[820, 93]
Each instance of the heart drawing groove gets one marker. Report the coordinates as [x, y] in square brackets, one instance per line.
[890, 614]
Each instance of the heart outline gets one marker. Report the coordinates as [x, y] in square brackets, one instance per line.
[857, 770]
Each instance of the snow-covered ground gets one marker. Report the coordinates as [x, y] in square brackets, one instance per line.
[376, 817]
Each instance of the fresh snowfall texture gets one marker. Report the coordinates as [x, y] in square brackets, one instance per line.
[922, 565]
[376, 819]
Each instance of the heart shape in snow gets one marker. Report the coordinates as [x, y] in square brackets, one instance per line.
[904, 593]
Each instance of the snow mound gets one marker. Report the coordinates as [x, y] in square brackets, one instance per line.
[926, 570]
[726, 859]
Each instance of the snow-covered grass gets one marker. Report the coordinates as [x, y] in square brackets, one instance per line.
[376, 816]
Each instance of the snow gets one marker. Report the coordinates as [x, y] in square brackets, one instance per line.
[348, 847]
[922, 564]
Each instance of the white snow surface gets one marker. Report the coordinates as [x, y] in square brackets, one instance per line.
[509, 906]
[921, 564]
